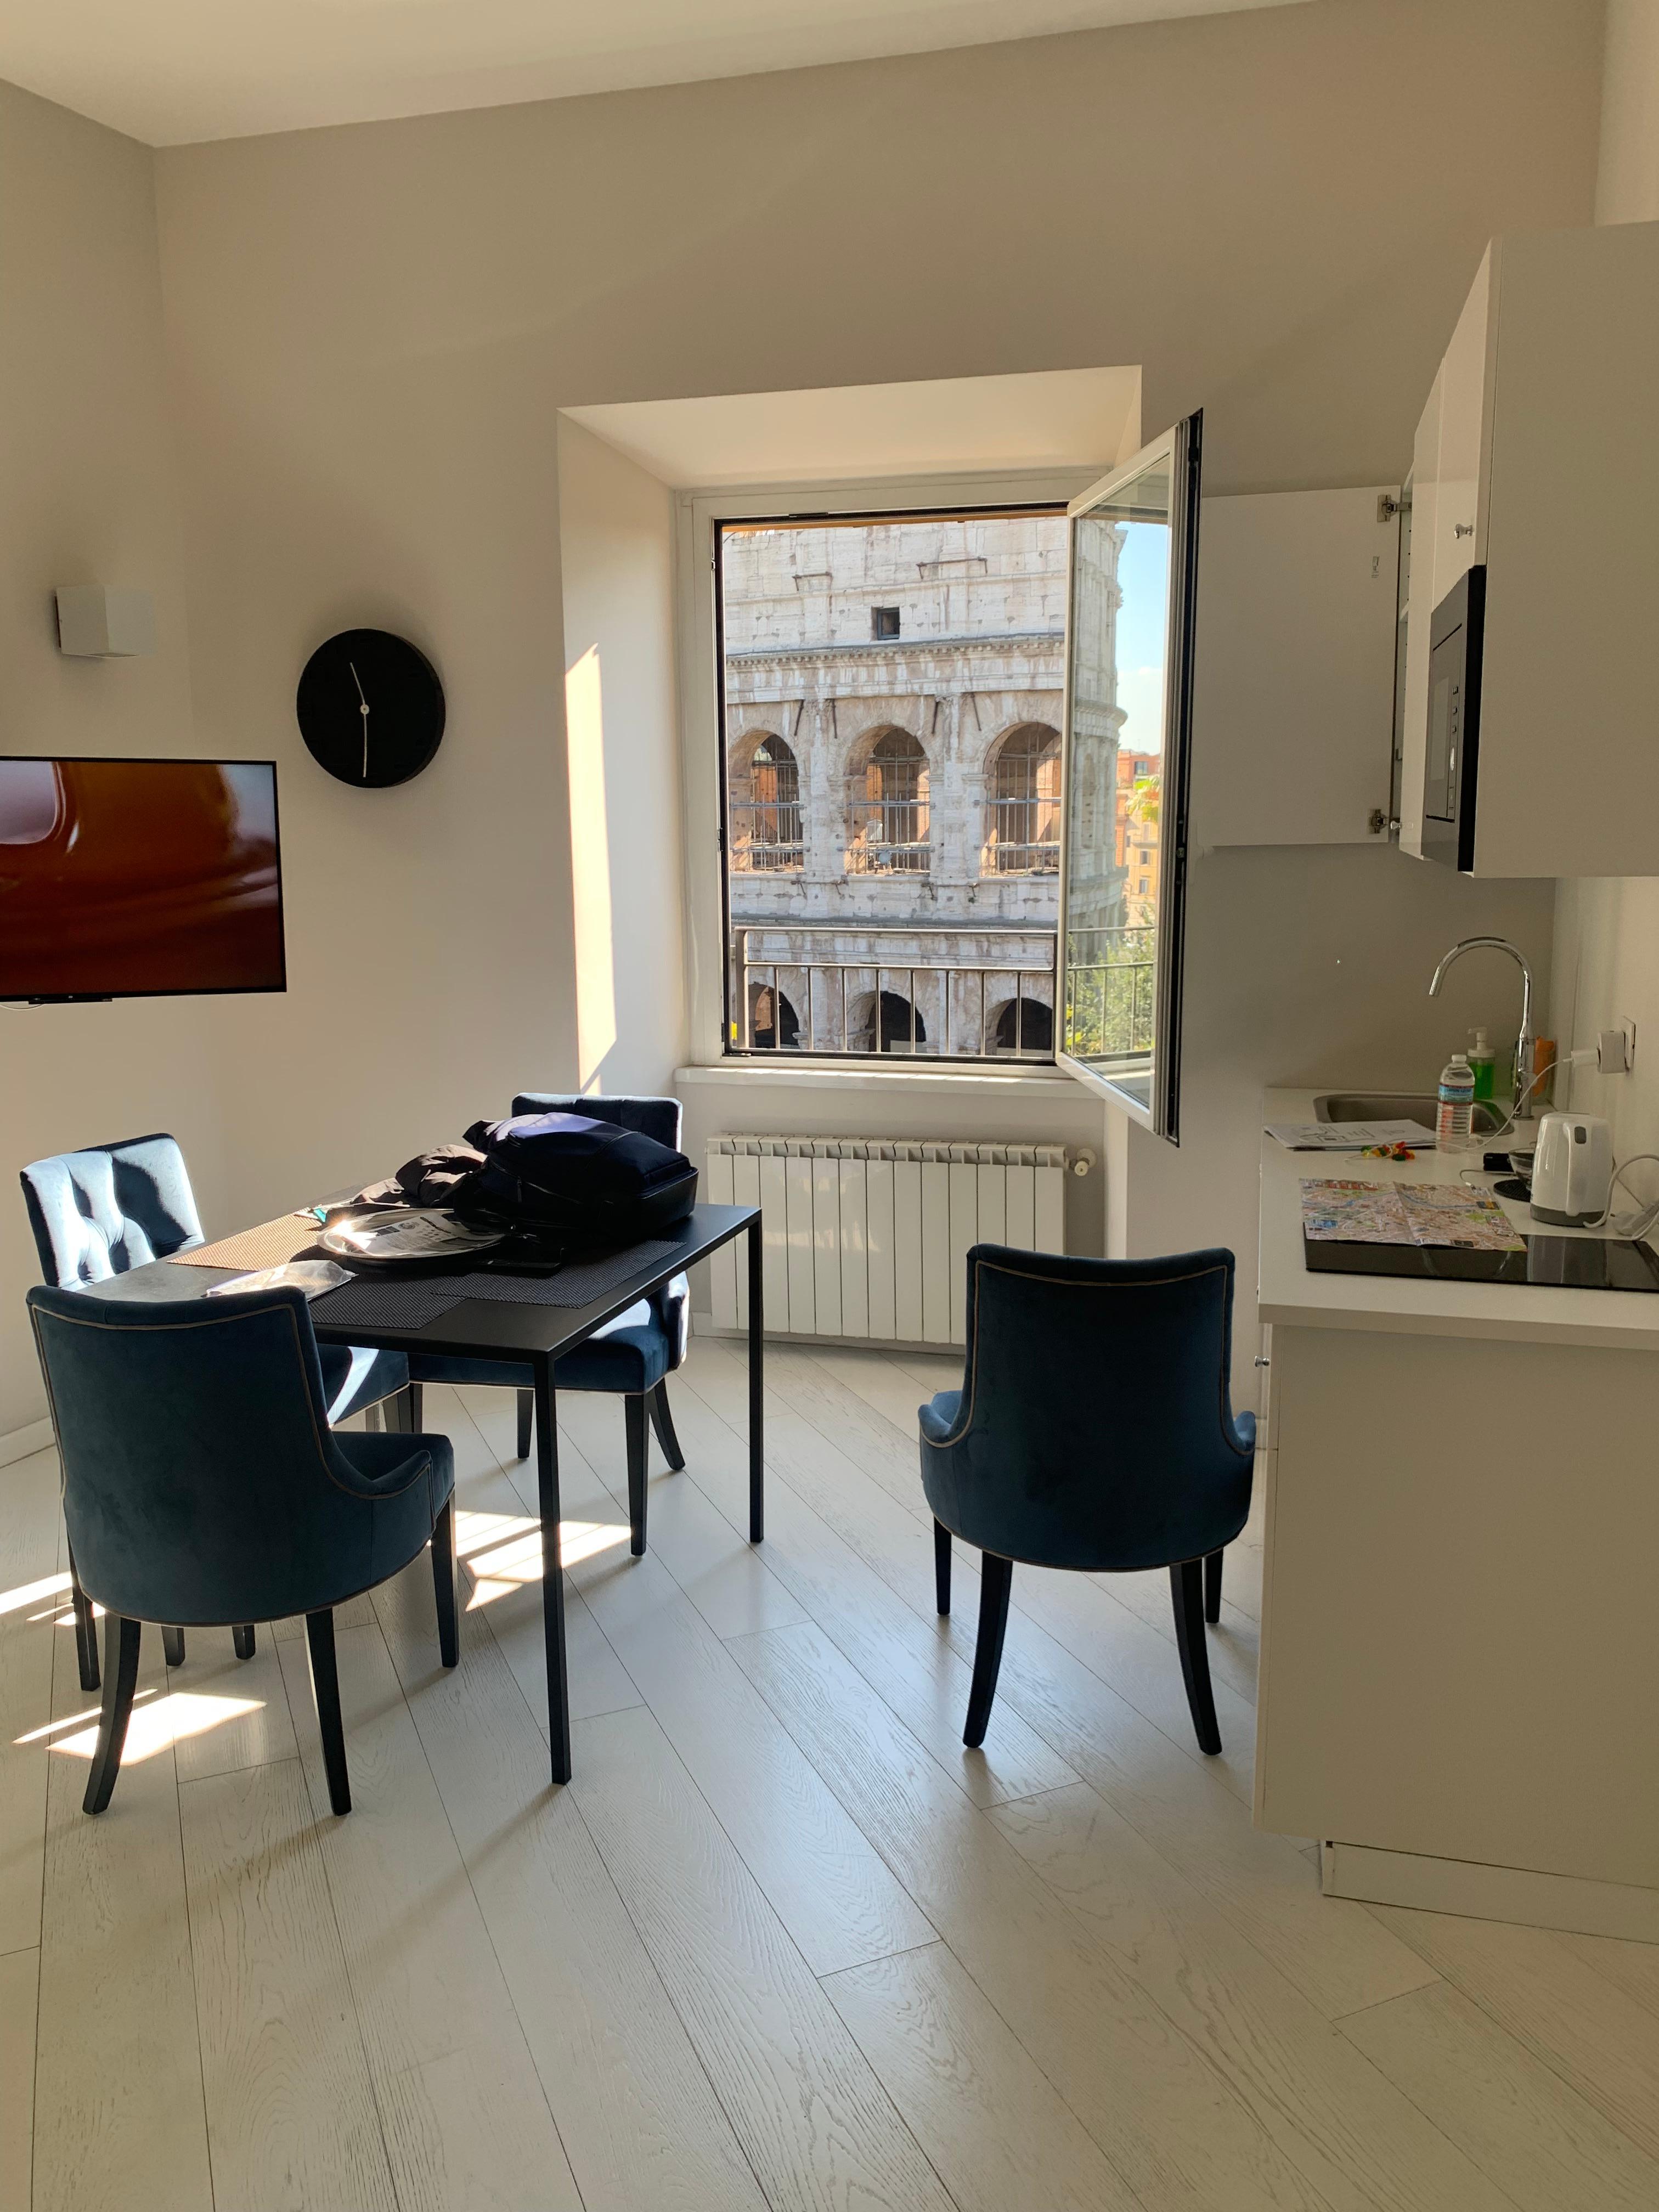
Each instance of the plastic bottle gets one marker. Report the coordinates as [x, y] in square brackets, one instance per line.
[1483, 1062]
[1452, 1129]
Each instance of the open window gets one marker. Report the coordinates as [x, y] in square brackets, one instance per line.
[1132, 602]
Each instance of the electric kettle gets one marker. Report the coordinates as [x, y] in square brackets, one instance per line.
[1572, 1169]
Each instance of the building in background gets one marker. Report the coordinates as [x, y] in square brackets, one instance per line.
[893, 705]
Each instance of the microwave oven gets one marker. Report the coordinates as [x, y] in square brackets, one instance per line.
[1452, 758]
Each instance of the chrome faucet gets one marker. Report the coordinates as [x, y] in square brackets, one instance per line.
[1526, 1056]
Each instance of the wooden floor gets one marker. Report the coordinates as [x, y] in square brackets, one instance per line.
[782, 1941]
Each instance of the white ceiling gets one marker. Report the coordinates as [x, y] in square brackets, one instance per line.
[1082, 418]
[175, 72]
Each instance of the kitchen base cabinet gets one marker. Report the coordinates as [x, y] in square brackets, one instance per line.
[1460, 1676]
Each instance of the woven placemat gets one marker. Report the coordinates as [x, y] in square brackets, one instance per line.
[577, 1284]
[267, 1246]
[370, 1304]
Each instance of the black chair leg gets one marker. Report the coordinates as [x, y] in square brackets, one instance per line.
[638, 1445]
[942, 1565]
[1187, 1587]
[443, 1583]
[662, 1422]
[172, 1646]
[243, 1639]
[1212, 1587]
[325, 1688]
[86, 1631]
[996, 1581]
[527, 1421]
[121, 1639]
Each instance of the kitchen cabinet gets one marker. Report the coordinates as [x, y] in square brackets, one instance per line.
[1293, 713]
[1534, 484]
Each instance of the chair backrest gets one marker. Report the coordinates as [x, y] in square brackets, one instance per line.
[201, 1482]
[98, 1212]
[656, 1118]
[1095, 1428]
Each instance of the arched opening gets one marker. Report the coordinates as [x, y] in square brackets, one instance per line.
[774, 1024]
[893, 1024]
[1021, 803]
[763, 804]
[1024, 1025]
[887, 808]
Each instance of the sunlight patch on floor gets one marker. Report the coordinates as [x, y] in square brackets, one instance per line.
[13, 1600]
[162, 1722]
[503, 1551]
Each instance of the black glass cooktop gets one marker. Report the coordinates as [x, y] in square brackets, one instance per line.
[1573, 1263]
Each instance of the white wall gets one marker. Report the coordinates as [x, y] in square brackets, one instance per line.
[86, 494]
[616, 546]
[1607, 941]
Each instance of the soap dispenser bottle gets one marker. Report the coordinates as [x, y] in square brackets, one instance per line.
[1457, 1104]
[1483, 1062]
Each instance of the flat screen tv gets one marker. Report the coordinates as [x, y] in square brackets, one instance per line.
[138, 878]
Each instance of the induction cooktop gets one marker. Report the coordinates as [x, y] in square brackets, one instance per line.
[1573, 1263]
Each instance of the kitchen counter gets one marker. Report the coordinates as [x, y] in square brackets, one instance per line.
[1458, 1674]
[1290, 1294]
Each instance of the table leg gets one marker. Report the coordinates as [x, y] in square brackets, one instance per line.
[756, 1389]
[547, 1493]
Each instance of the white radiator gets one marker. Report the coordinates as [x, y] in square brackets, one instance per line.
[866, 1237]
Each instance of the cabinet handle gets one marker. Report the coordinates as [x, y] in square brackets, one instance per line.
[1462, 530]
[1261, 1361]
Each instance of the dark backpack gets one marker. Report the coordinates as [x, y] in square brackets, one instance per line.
[594, 1185]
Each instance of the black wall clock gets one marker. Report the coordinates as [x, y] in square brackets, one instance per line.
[370, 707]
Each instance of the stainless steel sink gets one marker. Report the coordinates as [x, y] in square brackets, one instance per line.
[1398, 1106]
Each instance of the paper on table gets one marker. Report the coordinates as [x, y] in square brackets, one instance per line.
[314, 1277]
[1406, 1214]
[1347, 1136]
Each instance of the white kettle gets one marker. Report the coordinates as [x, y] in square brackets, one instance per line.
[1572, 1169]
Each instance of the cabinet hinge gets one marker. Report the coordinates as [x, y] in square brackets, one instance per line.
[1387, 506]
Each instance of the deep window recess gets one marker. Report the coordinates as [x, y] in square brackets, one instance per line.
[891, 786]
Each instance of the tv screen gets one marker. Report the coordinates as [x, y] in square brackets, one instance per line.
[124, 879]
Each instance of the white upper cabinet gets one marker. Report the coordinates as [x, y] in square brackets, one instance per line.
[1293, 698]
[1530, 730]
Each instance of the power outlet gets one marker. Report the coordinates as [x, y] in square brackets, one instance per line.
[1616, 1049]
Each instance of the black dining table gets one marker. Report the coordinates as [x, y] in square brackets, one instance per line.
[535, 1336]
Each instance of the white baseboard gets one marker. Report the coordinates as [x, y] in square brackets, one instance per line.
[19, 1444]
[1474, 1892]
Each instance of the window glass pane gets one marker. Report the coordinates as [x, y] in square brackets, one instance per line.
[892, 692]
[1121, 552]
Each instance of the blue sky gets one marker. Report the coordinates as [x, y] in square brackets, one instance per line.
[1143, 571]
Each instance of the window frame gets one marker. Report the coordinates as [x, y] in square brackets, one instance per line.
[702, 737]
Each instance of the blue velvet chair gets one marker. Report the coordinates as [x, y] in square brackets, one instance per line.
[98, 1212]
[629, 1357]
[202, 1484]
[1094, 1430]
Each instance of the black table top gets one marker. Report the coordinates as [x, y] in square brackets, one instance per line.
[477, 1327]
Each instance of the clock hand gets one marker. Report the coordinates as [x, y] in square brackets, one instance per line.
[363, 711]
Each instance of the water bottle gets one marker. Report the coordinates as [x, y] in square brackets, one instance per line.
[1451, 1129]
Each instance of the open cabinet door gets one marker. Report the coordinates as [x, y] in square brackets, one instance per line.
[1130, 606]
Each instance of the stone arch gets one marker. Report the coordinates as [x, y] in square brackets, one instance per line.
[774, 1024]
[887, 804]
[1022, 802]
[879, 1021]
[763, 815]
[1022, 1024]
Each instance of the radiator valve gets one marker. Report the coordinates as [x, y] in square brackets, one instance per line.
[1082, 1162]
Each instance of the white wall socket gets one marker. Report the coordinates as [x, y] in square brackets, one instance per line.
[96, 621]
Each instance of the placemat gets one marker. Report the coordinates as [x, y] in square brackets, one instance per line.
[369, 1304]
[577, 1285]
[267, 1246]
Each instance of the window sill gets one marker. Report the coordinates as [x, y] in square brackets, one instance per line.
[895, 1082]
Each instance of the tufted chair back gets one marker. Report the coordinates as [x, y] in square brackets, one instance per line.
[97, 1213]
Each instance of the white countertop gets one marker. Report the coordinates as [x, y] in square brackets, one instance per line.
[1290, 1296]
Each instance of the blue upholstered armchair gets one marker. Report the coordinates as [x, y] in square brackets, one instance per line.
[98, 1212]
[202, 1484]
[629, 1357]
[1094, 1430]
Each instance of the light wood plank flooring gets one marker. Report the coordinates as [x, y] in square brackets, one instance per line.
[782, 1943]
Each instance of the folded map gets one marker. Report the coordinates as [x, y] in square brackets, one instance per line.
[1406, 1214]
